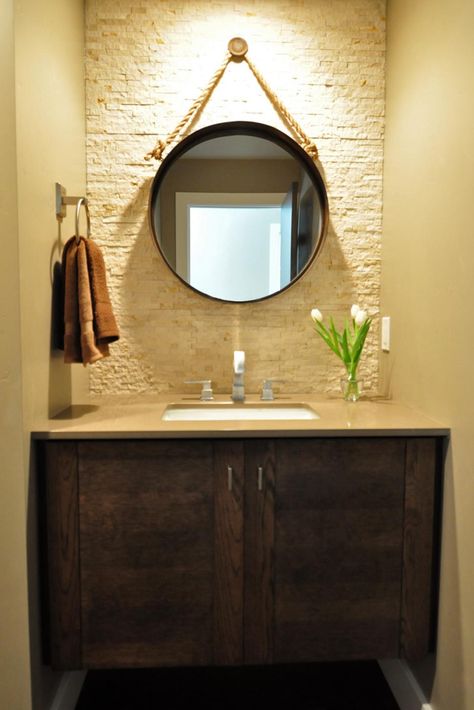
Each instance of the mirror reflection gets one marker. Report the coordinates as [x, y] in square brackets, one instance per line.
[238, 211]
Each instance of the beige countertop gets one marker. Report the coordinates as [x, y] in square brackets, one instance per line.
[141, 418]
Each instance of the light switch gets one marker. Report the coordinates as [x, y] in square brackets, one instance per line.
[386, 334]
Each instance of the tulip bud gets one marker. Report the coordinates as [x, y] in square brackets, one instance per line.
[360, 317]
[354, 311]
[316, 315]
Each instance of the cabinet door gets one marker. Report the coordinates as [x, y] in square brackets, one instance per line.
[259, 551]
[151, 560]
[333, 512]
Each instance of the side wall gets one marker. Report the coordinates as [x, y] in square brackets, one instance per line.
[42, 140]
[51, 148]
[50, 106]
[14, 667]
[427, 282]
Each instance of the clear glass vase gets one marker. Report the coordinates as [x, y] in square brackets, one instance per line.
[351, 388]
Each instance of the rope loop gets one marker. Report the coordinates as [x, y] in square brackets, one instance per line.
[236, 52]
[304, 141]
[157, 151]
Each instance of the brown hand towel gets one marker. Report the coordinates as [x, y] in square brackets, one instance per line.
[105, 325]
[90, 349]
[72, 331]
[88, 318]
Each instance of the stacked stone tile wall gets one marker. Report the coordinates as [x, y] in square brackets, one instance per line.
[146, 62]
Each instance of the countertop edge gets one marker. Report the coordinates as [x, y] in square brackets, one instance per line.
[240, 433]
[144, 419]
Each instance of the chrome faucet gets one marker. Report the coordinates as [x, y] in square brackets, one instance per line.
[238, 392]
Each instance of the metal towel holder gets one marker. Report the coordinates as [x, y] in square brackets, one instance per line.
[61, 205]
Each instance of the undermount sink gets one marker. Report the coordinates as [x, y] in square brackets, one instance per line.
[223, 412]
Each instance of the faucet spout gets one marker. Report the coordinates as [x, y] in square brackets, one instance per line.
[238, 391]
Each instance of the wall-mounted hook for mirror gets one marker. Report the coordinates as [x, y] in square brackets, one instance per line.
[62, 200]
[238, 48]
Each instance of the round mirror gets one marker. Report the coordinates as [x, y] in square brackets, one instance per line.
[238, 211]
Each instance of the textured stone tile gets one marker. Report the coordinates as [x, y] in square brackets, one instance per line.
[146, 62]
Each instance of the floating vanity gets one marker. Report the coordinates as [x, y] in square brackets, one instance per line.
[246, 541]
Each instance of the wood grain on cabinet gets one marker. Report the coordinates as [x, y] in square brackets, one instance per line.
[228, 552]
[146, 543]
[62, 522]
[260, 470]
[338, 549]
[418, 553]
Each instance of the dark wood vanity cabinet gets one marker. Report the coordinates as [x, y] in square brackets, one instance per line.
[204, 552]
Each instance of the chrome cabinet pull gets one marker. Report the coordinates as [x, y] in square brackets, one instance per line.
[260, 478]
[229, 478]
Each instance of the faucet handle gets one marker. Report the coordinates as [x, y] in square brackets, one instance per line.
[267, 388]
[206, 391]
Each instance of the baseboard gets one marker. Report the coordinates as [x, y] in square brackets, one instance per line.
[69, 690]
[403, 685]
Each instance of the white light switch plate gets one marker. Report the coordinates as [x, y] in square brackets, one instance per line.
[386, 334]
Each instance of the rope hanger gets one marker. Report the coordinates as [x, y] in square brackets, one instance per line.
[237, 52]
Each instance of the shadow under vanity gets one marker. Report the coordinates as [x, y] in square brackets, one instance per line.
[185, 544]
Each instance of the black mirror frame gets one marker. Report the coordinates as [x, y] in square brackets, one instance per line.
[246, 128]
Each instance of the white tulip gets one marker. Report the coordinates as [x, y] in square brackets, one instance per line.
[354, 311]
[316, 315]
[360, 317]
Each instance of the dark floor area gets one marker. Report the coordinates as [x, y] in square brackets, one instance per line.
[318, 686]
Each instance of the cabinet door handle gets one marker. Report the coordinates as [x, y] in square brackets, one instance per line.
[260, 478]
[229, 478]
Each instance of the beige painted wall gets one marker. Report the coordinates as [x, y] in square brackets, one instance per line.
[42, 139]
[51, 147]
[428, 285]
[14, 667]
[50, 110]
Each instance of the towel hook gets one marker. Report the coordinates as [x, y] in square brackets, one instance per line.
[61, 203]
[82, 201]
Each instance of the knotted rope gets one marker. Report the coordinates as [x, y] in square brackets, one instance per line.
[196, 108]
[237, 52]
[303, 139]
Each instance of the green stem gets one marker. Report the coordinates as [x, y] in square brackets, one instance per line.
[352, 371]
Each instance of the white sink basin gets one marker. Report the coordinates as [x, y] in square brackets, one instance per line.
[224, 412]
